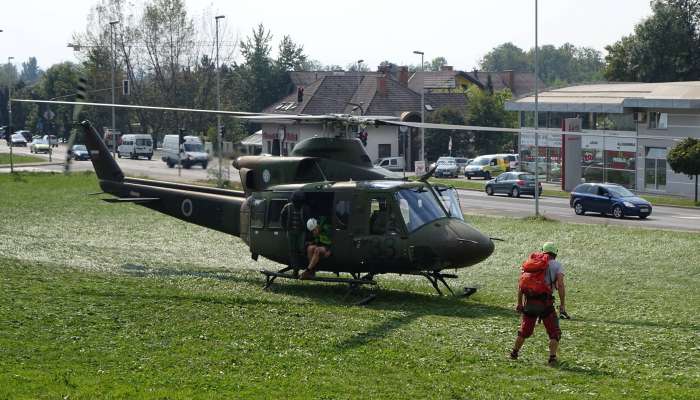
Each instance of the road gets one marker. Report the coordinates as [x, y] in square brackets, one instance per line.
[473, 202]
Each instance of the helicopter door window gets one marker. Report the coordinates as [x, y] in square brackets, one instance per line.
[274, 211]
[450, 199]
[379, 216]
[257, 219]
[342, 214]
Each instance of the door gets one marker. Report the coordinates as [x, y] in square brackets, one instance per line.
[655, 168]
[600, 202]
[345, 226]
[382, 243]
[501, 186]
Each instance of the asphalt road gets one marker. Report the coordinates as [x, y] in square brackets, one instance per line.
[473, 202]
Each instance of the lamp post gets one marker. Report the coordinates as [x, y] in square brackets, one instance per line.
[359, 63]
[114, 66]
[422, 104]
[218, 103]
[9, 115]
[537, 123]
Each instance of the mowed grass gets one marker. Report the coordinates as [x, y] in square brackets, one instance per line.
[116, 301]
[19, 159]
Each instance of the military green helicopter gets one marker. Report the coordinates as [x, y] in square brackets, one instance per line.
[379, 222]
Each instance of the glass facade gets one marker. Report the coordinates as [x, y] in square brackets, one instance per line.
[603, 159]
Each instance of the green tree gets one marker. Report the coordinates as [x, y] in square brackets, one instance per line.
[30, 71]
[290, 55]
[504, 57]
[486, 109]
[664, 47]
[684, 158]
[436, 64]
[437, 140]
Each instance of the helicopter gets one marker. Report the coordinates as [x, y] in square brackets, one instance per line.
[379, 222]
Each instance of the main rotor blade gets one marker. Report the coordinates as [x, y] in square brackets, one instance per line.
[429, 125]
[134, 107]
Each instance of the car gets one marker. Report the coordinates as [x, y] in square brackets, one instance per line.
[18, 140]
[486, 166]
[446, 167]
[25, 134]
[391, 163]
[135, 145]
[462, 163]
[513, 184]
[192, 151]
[51, 139]
[80, 152]
[608, 198]
[39, 146]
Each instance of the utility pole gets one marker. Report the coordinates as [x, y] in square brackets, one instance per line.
[9, 116]
[537, 123]
[114, 67]
[219, 131]
[422, 106]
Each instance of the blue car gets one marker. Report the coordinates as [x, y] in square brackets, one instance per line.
[608, 198]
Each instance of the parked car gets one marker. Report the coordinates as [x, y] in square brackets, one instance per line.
[39, 146]
[18, 140]
[513, 184]
[51, 140]
[80, 152]
[135, 146]
[486, 166]
[391, 163]
[25, 134]
[192, 151]
[608, 198]
[462, 163]
[447, 167]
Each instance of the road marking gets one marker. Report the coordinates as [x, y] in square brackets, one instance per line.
[684, 217]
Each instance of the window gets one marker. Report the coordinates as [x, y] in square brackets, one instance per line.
[384, 150]
[269, 147]
[273, 213]
[423, 207]
[143, 142]
[393, 161]
[658, 120]
[257, 219]
[342, 214]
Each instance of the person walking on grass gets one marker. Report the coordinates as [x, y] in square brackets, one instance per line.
[541, 274]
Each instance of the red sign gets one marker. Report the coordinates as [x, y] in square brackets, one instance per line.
[291, 137]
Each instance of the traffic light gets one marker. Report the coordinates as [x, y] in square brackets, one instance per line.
[125, 87]
[300, 94]
[181, 136]
[221, 131]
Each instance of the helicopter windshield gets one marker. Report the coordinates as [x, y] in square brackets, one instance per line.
[418, 206]
[450, 200]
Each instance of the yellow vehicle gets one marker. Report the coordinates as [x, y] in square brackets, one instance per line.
[487, 166]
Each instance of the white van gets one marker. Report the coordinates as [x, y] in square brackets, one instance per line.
[134, 146]
[391, 163]
[192, 151]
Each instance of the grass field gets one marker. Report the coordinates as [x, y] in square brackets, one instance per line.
[116, 301]
[19, 159]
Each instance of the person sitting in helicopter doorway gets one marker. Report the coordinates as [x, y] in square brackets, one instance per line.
[292, 219]
[319, 247]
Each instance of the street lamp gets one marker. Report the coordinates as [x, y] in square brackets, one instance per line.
[218, 103]
[422, 104]
[114, 66]
[359, 62]
[9, 113]
[537, 123]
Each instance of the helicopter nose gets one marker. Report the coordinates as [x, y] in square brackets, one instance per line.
[469, 246]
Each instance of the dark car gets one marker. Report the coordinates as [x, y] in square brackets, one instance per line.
[608, 199]
[513, 184]
[80, 152]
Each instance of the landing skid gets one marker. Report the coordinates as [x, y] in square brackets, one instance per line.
[436, 277]
[354, 283]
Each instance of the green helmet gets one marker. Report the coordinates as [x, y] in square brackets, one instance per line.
[550, 247]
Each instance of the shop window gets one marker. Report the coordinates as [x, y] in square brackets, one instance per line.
[658, 120]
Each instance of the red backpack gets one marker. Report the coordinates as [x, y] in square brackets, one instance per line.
[533, 282]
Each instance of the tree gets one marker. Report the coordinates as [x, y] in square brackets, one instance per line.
[437, 140]
[664, 47]
[290, 55]
[684, 158]
[436, 64]
[504, 57]
[486, 109]
[30, 71]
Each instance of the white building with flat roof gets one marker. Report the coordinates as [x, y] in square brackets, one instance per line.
[632, 127]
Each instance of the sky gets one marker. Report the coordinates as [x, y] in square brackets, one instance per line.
[342, 32]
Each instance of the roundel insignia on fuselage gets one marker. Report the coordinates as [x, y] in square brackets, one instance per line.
[186, 207]
[266, 175]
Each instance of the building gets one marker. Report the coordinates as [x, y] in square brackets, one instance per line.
[251, 145]
[640, 122]
[358, 93]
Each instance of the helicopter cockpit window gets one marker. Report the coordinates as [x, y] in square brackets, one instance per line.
[274, 211]
[450, 199]
[257, 213]
[342, 214]
[380, 220]
[422, 205]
